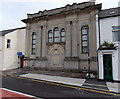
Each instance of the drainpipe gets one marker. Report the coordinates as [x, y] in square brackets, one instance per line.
[98, 39]
[89, 66]
[119, 50]
[89, 51]
[88, 59]
[99, 31]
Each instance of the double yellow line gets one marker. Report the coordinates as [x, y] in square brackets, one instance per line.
[69, 86]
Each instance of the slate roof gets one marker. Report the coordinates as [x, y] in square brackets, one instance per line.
[4, 32]
[112, 12]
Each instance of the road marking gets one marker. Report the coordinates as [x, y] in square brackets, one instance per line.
[69, 86]
[10, 93]
[97, 88]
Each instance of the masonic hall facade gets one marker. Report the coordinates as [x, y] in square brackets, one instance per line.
[63, 38]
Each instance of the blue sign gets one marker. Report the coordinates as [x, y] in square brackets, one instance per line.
[19, 53]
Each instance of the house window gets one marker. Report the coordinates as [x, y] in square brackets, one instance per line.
[62, 35]
[33, 42]
[116, 33]
[8, 43]
[50, 36]
[56, 35]
[84, 39]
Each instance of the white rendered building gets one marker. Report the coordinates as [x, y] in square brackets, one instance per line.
[109, 47]
[11, 42]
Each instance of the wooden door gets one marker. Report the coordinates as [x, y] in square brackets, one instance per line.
[21, 61]
[107, 62]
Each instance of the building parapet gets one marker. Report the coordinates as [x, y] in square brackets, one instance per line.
[63, 10]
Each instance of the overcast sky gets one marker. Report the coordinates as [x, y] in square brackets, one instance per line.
[13, 11]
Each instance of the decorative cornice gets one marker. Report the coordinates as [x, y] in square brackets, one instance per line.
[68, 9]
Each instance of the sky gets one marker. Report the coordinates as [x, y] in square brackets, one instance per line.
[13, 11]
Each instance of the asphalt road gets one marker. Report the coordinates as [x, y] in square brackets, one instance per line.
[45, 90]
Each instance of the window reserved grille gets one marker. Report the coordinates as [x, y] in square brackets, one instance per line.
[62, 35]
[84, 39]
[50, 36]
[56, 36]
[33, 42]
[116, 33]
[8, 43]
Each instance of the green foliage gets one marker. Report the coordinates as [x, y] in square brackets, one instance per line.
[107, 45]
[112, 45]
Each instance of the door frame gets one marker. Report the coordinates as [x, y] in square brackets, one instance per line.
[114, 63]
[51, 53]
[22, 61]
[107, 67]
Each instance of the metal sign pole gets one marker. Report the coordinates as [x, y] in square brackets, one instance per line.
[19, 56]
[19, 63]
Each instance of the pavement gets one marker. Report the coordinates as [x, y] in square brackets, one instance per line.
[69, 78]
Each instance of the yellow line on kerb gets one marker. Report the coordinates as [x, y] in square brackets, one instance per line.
[69, 86]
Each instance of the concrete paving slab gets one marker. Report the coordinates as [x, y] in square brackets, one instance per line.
[113, 86]
[64, 80]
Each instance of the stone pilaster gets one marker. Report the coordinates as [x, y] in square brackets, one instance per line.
[74, 39]
[27, 41]
[92, 35]
[38, 42]
[44, 41]
[68, 40]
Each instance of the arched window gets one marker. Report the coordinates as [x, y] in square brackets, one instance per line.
[56, 35]
[50, 36]
[84, 39]
[33, 42]
[62, 35]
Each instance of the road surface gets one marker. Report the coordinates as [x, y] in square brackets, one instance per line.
[44, 89]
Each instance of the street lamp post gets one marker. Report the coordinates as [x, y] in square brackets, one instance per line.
[88, 66]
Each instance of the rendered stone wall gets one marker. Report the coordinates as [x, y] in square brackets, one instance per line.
[71, 65]
[72, 22]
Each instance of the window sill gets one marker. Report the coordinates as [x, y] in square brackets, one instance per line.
[61, 43]
[84, 53]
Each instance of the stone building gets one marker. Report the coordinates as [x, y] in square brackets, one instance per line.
[63, 38]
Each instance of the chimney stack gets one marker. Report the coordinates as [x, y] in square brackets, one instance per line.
[92, 0]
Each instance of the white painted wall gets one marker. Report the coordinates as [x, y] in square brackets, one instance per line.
[1, 59]
[106, 35]
[17, 38]
[119, 66]
[115, 65]
[106, 28]
[119, 60]
[21, 40]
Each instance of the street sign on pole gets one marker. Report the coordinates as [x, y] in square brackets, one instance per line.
[19, 53]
